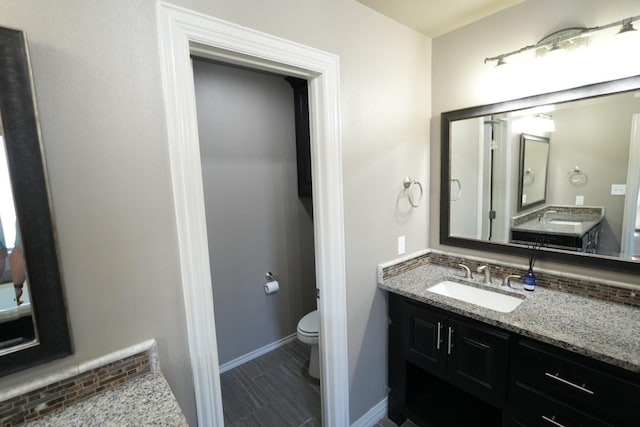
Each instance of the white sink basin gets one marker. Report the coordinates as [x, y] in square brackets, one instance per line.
[482, 297]
[563, 222]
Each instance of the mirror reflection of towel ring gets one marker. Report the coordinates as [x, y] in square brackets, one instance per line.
[577, 176]
[408, 184]
[529, 177]
[455, 199]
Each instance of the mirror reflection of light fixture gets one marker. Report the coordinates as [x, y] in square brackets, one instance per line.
[545, 123]
[559, 42]
[627, 27]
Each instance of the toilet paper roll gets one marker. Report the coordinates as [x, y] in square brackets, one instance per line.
[271, 287]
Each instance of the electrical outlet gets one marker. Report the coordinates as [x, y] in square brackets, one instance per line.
[618, 189]
[579, 200]
[401, 248]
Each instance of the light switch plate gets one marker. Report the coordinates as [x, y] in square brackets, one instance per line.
[401, 246]
[618, 189]
[579, 200]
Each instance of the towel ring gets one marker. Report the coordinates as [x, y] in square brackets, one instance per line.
[455, 199]
[529, 177]
[408, 184]
[577, 176]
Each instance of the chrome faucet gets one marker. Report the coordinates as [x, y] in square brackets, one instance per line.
[487, 273]
[543, 217]
[467, 272]
[507, 280]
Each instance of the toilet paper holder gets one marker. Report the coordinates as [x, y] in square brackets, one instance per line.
[270, 277]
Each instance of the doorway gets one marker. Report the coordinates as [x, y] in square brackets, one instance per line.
[631, 218]
[259, 228]
[183, 33]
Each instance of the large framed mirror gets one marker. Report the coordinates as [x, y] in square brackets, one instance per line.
[497, 196]
[33, 316]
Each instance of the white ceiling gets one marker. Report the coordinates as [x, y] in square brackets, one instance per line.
[436, 17]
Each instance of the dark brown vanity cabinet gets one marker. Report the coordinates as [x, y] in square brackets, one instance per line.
[449, 370]
[553, 387]
[443, 351]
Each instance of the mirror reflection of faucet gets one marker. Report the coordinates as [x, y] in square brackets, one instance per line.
[543, 218]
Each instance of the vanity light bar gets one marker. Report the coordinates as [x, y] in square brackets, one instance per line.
[564, 38]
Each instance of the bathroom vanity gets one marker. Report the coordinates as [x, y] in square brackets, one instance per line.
[562, 227]
[548, 362]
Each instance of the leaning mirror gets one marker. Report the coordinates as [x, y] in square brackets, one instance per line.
[33, 322]
[562, 168]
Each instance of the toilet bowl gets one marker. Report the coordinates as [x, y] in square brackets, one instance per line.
[308, 328]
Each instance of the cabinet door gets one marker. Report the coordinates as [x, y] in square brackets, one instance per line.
[425, 339]
[478, 362]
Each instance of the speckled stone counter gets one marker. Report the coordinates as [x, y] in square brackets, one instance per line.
[602, 330]
[142, 401]
[585, 217]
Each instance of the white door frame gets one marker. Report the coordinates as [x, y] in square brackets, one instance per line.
[183, 32]
[628, 248]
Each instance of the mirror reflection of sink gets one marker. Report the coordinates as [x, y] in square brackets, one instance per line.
[482, 297]
[563, 222]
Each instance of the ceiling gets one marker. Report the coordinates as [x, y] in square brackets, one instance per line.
[436, 17]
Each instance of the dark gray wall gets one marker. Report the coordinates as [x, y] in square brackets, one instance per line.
[255, 221]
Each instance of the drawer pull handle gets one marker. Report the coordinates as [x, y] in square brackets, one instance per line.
[552, 421]
[439, 338]
[450, 343]
[562, 380]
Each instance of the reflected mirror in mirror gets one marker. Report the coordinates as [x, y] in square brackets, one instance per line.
[532, 181]
[563, 168]
[16, 317]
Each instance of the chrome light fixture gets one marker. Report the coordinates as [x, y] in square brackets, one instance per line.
[566, 39]
[627, 26]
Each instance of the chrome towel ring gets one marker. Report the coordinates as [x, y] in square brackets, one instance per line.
[456, 181]
[577, 176]
[408, 184]
[529, 177]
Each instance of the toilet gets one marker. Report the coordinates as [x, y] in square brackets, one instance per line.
[308, 328]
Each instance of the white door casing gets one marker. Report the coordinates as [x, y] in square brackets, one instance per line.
[181, 33]
[631, 201]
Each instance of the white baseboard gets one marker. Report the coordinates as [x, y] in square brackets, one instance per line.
[373, 415]
[256, 353]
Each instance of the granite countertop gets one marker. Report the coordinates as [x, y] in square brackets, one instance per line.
[141, 401]
[536, 226]
[598, 329]
[586, 217]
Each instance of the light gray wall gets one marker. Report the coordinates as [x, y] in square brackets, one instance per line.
[255, 221]
[596, 138]
[97, 79]
[461, 79]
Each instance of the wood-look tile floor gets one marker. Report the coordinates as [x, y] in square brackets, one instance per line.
[275, 390]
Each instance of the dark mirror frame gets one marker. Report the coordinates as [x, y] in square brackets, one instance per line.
[31, 195]
[582, 92]
[521, 175]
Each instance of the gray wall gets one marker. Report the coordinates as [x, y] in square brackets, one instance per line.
[255, 221]
[461, 79]
[596, 138]
[97, 80]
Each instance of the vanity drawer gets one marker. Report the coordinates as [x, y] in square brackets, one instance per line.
[536, 409]
[584, 387]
